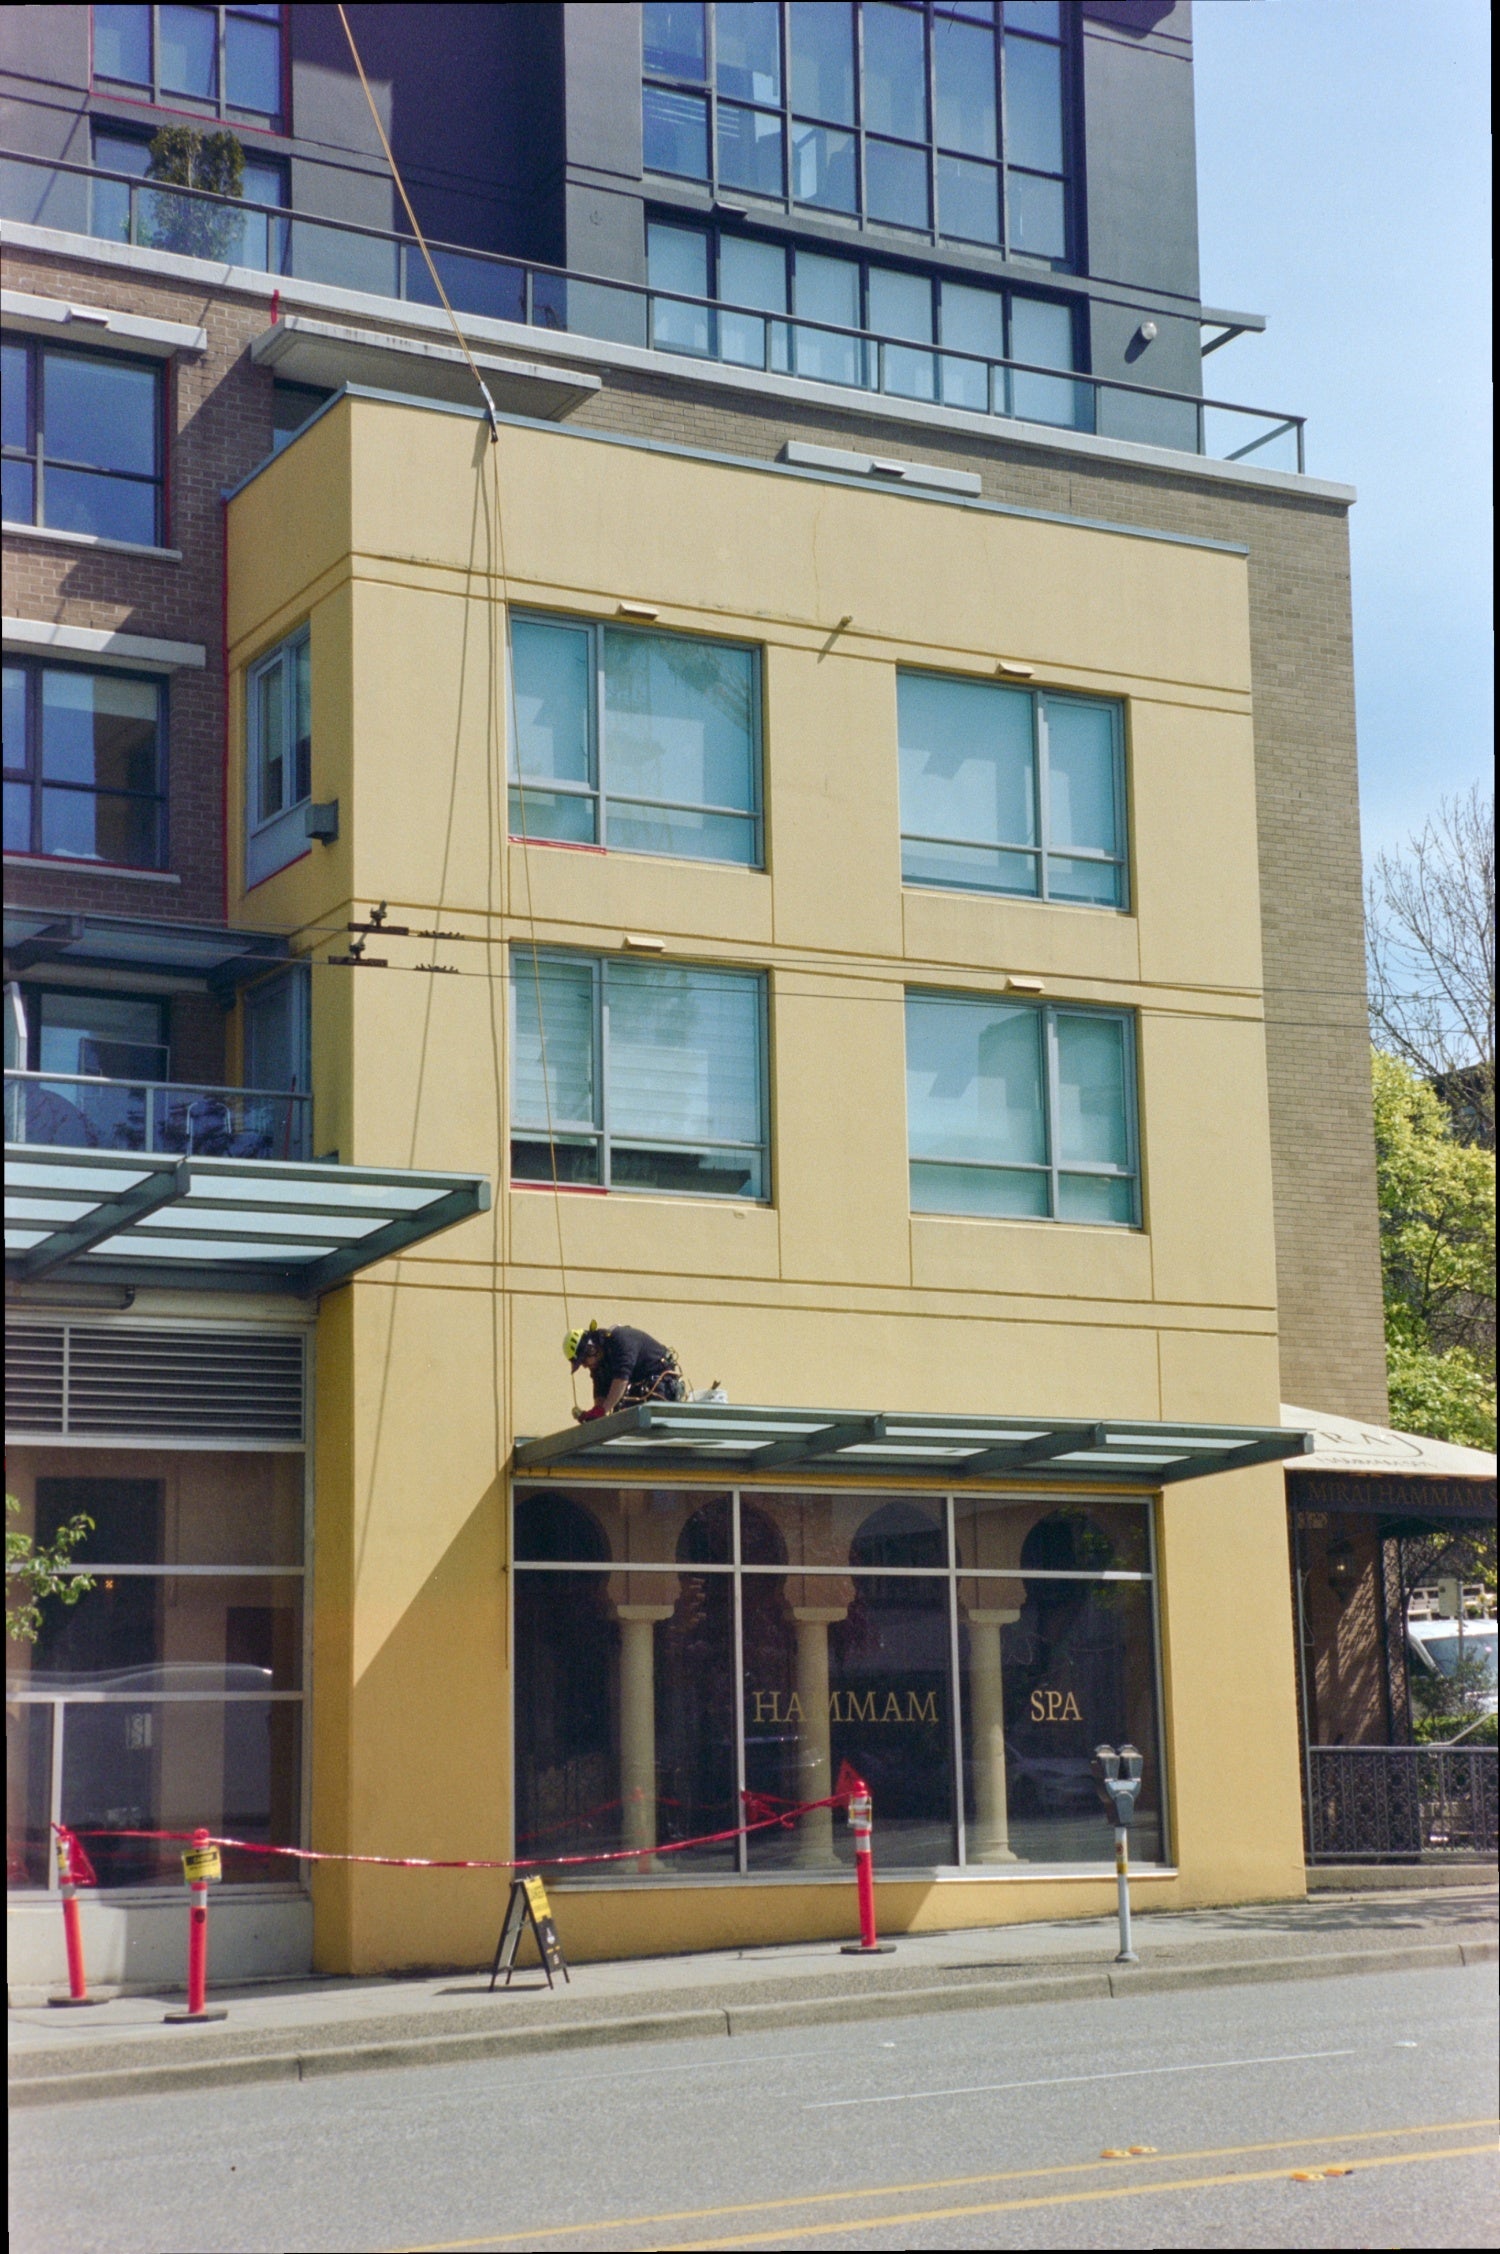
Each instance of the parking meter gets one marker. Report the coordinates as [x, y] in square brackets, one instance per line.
[1117, 1779]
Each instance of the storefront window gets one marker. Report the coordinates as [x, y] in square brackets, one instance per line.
[849, 1611]
[170, 1694]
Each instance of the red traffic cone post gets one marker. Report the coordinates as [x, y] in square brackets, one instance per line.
[199, 1865]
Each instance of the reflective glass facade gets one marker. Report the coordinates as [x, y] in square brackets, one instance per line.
[949, 122]
[682, 1653]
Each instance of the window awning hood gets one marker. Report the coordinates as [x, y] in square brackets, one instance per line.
[37, 936]
[217, 1224]
[745, 1443]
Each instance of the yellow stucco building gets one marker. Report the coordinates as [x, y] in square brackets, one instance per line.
[869, 938]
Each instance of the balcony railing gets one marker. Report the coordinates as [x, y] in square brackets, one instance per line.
[1394, 1803]
[88, 1113]
[117, 207]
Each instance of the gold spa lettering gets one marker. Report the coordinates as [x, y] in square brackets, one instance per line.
[848, 1706]
[1054, 1706]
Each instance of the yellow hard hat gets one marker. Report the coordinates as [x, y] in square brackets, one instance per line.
[575, 1339]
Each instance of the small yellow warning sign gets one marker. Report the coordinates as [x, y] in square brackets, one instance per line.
[200, 1863]
[536, 1895]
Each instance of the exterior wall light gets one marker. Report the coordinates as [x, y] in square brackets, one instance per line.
[1340, 1560]
[1147, 332]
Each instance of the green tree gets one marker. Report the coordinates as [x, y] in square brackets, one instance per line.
[35, 1571]
[1437, 1241]
[184, 157]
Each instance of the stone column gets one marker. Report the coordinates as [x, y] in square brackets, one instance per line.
[814, 1849]
[638, 1725]
[988, 1839]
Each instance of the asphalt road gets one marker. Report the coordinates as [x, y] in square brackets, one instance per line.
[976, 2129]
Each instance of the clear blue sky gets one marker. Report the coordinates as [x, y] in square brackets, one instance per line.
[1343, 180]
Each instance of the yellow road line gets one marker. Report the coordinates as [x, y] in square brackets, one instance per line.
[939, 2183]
[1057, 2199]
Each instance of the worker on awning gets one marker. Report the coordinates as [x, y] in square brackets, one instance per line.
[626, 1365]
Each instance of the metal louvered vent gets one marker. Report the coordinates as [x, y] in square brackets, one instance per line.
[35, 1367]
[168, 1384]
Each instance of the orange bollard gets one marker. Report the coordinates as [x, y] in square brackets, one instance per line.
[862, 1818]
[199, 1865]
[70, 1858]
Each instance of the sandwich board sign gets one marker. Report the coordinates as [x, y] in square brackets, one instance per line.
[528, 1905]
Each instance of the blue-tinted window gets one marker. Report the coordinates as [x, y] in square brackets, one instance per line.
[84, 765]
[226, 60]
[896, 185]
[822, 36]
[122, 45]
[640, 1076]
[750, 149]
[648, 743]
[963, 66]
[83, 443]
[675, 132]
[747, 35]
[823, 167]
[672, 39]
[895, 72]
[1010, 790]
[1020, 1112]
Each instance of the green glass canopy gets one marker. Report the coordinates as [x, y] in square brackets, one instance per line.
[217, 1224]
[745, 1443]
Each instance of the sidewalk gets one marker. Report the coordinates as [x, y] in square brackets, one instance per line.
[294, 2030]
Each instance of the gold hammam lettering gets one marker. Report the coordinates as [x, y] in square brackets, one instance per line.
[892, 1708]
[859, 1707]
[764, 1700]
[921, 1710]
[793, 1710]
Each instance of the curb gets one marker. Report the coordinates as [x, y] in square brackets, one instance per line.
[309, 2064]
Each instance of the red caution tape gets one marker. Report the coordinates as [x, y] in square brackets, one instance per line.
[758, 1806]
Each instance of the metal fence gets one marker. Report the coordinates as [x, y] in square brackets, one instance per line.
[1395, 1803]
[85, 200]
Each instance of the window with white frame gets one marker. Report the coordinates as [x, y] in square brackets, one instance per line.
[639, 741]
[1021, 1111]
[637, 1076]
[1011, 790]
[278, 755]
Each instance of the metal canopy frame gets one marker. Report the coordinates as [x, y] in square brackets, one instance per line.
[222, 958]
[743, 1443]
[217, 1224]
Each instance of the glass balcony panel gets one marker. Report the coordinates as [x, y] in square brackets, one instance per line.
[474, 285]
[38, 196]
[84, 1113]
[344, 261]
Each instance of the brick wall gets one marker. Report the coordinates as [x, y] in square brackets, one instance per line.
[219, 421]
[1322, 1148]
